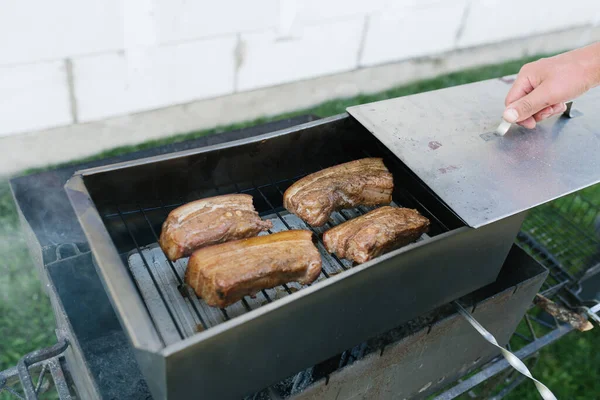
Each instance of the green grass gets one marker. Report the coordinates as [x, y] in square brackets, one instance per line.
[27, 322]
[569, 367]
[26, 319]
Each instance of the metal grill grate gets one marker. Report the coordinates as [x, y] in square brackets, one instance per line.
[176, 311]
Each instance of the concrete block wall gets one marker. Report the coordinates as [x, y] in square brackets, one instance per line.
[70, 62]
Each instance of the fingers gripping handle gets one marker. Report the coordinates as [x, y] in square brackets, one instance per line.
[505, 125]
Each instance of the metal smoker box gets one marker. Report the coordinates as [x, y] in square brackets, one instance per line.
[185, 347]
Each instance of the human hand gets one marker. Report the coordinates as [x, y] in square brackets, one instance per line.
[542, 87]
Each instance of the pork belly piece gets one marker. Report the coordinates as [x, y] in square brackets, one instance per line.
[225, 273]
[362, 182]
[210, 221]
[379, 231]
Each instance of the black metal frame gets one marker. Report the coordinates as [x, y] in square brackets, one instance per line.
[45, 360]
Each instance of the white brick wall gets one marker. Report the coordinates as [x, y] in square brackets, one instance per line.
[33, 97]
[135, 55]
[267, 59]
[406, 32]
[179, 20]
[309, 11]
[136, 80]
[34, 30]
[496, 20]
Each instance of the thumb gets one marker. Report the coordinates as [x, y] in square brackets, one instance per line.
[528, 105]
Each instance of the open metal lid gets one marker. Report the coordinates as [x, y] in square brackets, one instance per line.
[446, 137]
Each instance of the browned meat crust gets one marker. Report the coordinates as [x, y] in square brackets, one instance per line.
[375, 233]
[361, 182]
[210, 221]
[225, 273]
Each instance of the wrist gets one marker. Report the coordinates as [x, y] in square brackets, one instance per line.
[591, 62]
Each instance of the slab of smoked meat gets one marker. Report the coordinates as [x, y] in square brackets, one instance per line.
[379, 231]
[362, 182]
[210, 221]
[225, 273]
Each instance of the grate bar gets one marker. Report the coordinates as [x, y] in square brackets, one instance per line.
[224, 311]
[173, 269]
[524, 337]
[41, 378]
[266, 296]
[170, 312]
[530, 326]
[542, 322]
[156, 238]
[246, 305]
[287, 289]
